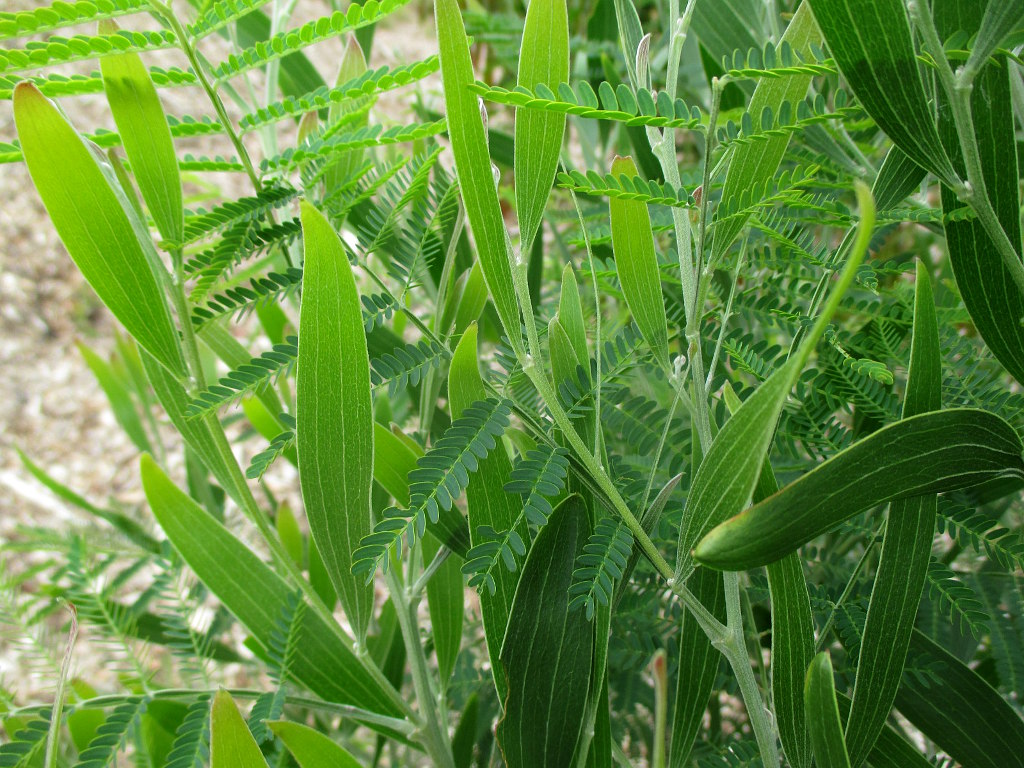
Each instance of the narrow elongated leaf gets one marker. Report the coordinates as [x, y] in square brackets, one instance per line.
[906, 548]
[570, 316]
[636, 263]
[543, 60]
[487, 503]
[146, 137]
[698, 667]
[897, 178]
[231, 742]
[445, 596]
[334, 412]
[324, 660]
[961, 712]
[929, 453]
[473, 165]
[547, 651]
[991, 296]
[792, 633]
[753, 165]
[823, 715]
[891, 749]
[729, 473]
[93, 219]
[310, 748]
[116, 390]
[872, 46]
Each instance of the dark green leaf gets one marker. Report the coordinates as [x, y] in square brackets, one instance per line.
[823, 715]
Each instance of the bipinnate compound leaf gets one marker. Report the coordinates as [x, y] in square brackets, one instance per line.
[324, 661]
[473, 165]
[872, 44]
[231, 743]
[547, 650]
[146, 137]
[97, 225]
[906, 548]
[334, 412]
[991, 296]
[823, 715]
[310, 747]
[928, 453]
[543, 59]
[636, 263]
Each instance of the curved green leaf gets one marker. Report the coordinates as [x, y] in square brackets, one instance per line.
[547, 651]
[906, 548]
[445, 601]
[991, 296]
[487, 503]
[872, 46]
[146, 137]
[928, 453]
[823, 715]
[543, 59]
[310, 748]
[473, 165]
[334, 412]
[636, 263]
[231, 742]
[324, 659]
[91, 215]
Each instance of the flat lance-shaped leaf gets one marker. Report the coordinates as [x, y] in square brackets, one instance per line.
[906, 550]
[334, 412]
[487, 503]
[964, 715]
[636, 263]
[473, 165]
[146, 137]
[547, 651]
[729, 473]
[823, 715]
[543, 60]
[310, 748]
[95, 223]
[871, 43]
[754, 164]
[929, 453]
[231, 742]
[992, 298]
[324, 661]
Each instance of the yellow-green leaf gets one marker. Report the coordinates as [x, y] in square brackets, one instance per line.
[97, 226]
[334, 412]
[231, 742]
[310, 748]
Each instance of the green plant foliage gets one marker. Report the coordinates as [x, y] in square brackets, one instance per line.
[545, 319]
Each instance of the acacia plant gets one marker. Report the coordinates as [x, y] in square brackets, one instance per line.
[653, 385]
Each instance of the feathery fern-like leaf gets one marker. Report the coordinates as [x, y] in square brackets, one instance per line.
[257, 373]
[600, 565]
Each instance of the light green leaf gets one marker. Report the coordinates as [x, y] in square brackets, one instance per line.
[445, 597]
[487, 503]
[967, 718]
[353, 64]
[310, 748]
[91, 215]
[929, 453]
[231, 742]
[873, 48]
[636, 263]
[116, 390]
[755, 164]
[324, 659]
[547, 651]
[543, 59]
[991, 296]
[473, 300]
[473, 165]
[823, 715]
[570, 315]
[906, 548]
[729, 473]
[334, 412]
[146, 136]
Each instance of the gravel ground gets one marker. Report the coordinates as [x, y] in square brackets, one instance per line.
[52, 408]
